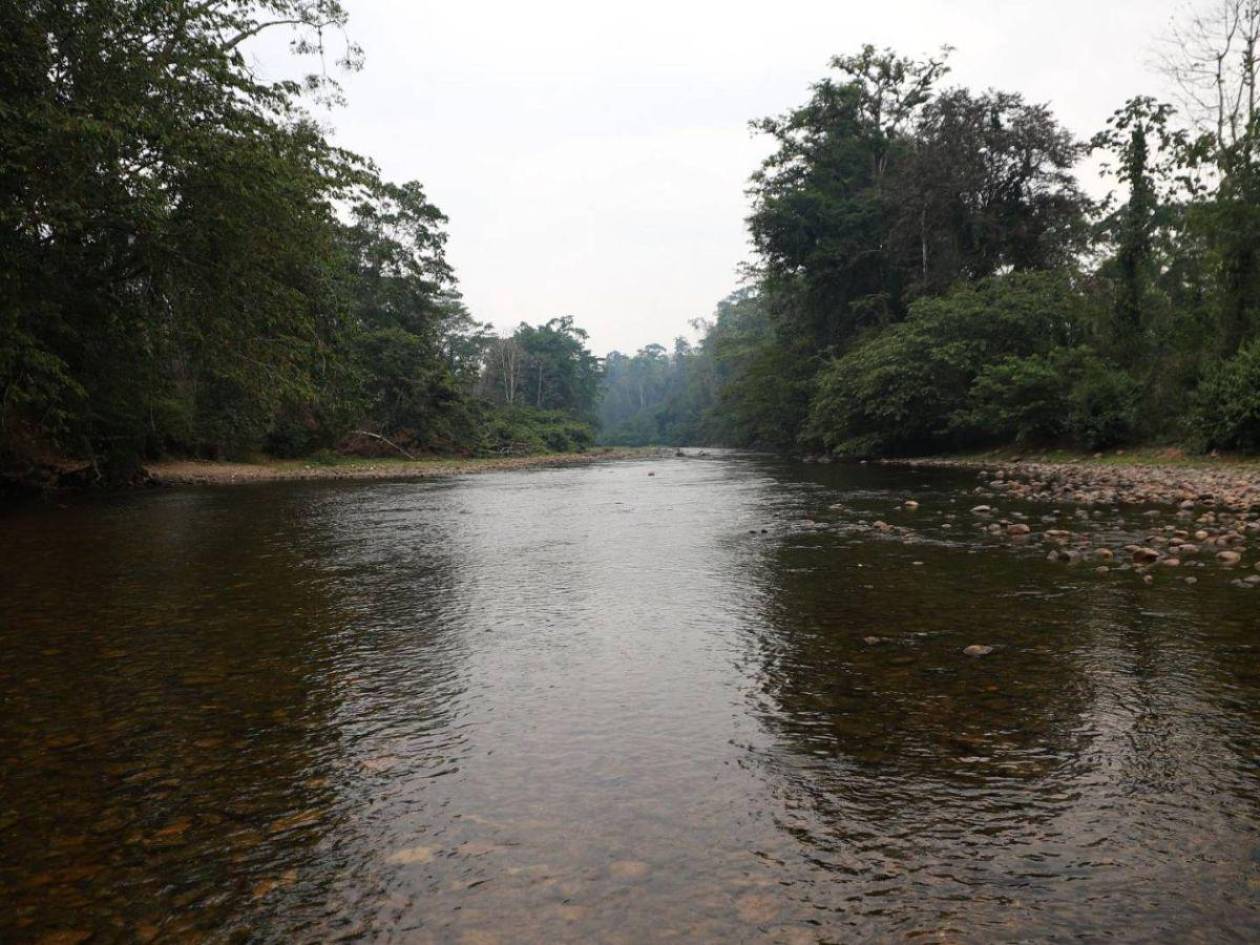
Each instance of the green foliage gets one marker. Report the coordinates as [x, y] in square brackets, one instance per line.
[188, 265]
[1227, 403]
[904, 388]
[1105, 405]
[1065, 396]
[884, 190]
[168, 236]
[928, 278]
[1019, 400]
[560, 373]
[516, 430]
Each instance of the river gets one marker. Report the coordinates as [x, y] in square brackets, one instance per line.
[634, 702]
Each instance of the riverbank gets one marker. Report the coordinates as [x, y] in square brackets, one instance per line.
[1144, 477]
[202, 472]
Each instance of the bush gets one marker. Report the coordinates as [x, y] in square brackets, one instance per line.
[1227, 402]
[1067, 395]
[1105, 404]
[1018, 400]
[523, 430]
[907, 387]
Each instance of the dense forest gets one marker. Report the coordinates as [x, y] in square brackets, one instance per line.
[930, 273]
[188, 266]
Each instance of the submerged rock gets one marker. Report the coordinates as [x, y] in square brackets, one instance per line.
[629, 871]
[978, 649]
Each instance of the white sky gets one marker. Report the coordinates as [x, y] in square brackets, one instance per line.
[592, 156]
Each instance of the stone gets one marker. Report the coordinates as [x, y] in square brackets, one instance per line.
[1018, 528]
[1229, 559]
[412, 855]
[629, 871]
[977, 649]
[757, 908]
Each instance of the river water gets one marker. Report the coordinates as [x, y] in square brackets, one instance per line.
[601, 706]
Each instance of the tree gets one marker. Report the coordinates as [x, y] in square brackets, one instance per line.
[820, 206]
[561, 373]
[986, 186]
[1214, 58]
[1146, 151]
[168, 237]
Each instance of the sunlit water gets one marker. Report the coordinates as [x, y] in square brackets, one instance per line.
[593, 705]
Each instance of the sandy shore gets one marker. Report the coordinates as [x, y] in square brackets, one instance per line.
[198, 472]
[1113, 480]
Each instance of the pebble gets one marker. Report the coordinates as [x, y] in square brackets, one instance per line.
[977, 649]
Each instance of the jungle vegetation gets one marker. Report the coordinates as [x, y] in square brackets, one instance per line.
[188, 265]
[930, 273]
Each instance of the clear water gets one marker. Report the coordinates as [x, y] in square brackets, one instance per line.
[592, 705]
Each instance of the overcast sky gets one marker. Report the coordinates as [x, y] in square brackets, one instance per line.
[592, 156]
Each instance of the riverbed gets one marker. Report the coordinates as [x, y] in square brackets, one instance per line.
[694, 700]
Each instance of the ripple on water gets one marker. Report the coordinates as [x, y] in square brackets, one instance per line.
[586, 704]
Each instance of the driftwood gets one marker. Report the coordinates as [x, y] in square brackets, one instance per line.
[386, 441]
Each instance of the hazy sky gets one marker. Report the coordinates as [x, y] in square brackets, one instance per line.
[592, 156]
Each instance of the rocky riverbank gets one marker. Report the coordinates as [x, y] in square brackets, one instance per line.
[198, 472]
[1197, 515]
[1210, 486]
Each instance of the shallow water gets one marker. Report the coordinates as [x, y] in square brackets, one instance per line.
[589, 705]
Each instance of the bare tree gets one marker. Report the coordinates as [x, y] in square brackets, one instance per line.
[1211, 56]
[504, 367]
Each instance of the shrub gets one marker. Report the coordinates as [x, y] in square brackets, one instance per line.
[1105, 404]
[523, 430]
[1227, 402]
[907, 386]
[1067, 395]
[1019, 400]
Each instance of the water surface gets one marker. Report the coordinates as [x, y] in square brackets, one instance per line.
[593, 705]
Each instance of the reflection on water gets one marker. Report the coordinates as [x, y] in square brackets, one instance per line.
[588, 705]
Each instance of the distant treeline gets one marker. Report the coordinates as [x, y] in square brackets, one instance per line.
[930, 274]
[188, 266]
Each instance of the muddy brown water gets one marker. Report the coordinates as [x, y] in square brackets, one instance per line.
[592, 705]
